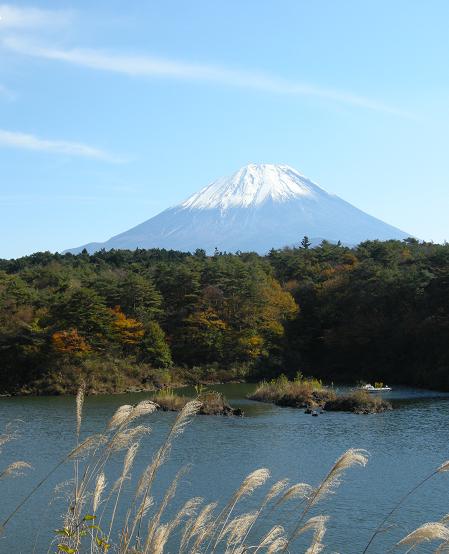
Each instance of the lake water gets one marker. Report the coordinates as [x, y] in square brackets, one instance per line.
[404, 445]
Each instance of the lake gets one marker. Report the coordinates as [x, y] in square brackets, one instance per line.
[405, 445]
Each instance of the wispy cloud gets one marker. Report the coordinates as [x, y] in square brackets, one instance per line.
[26, 141]
[14, 17]
[149, 66]
[34, 199]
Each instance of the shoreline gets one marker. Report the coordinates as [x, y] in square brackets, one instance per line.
[183, 385]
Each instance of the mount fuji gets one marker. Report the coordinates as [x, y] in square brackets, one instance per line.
[261, 206]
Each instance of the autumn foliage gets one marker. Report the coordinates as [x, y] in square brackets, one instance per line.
[128, 331]
[376, 311]
[69, 342]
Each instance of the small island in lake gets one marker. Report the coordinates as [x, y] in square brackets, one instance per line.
[311, 394]
[212, 402]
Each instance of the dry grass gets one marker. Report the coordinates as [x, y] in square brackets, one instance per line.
[212, 402]
[147, 524]
[168, 400]
[310, 393]
[299, 393]
[359, 402]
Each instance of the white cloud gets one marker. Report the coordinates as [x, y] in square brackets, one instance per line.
[25, 141]
[148, 66]
[13, 17]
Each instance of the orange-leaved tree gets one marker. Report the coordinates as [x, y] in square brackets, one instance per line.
[70, 342]
[128, 331]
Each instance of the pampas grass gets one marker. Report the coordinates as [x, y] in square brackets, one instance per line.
[353, 457]
[197, 526]
[99, 488]
[299, 490]
[149, 523]
[79, 402]
[426, 533]
[15, 469]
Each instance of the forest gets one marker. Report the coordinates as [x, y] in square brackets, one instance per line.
[119, 319]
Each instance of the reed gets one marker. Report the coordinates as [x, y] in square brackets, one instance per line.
[146, 524]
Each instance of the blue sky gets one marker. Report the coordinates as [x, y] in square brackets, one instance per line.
[111, 111]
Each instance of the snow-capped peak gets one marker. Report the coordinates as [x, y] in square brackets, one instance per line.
[252, 185]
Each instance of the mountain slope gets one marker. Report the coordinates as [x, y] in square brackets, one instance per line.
[259, 207]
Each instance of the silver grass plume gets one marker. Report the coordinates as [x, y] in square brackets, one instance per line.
[120, 416]
[79, 407]
[143, 408]
[149, 472]
[427, 532]
[185, 532]
[90, 442]
[353, 457]
[276, 490]
[168, 497]
[63, 489]
[277, 546]
[184, 417]
[237, 528]
[15, 469]
[316, 547]
[98, 491]
[444, 547]
[188, 510]
[127, 465]
[182, 420]
[206, 533]
[160, 539]
[251, 482]
[163, 531]
[254, 480]
[443, 467]
[298, 490]
[198, 525]
[145, 506]
[317, 524]
[275, 533]
[123, 439]
[146, 480]
[126, 414]
[9, 434]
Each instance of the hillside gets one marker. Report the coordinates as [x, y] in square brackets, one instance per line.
[377, 312]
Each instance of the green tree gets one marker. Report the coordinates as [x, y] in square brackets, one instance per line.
[84, 310]
[138, 297]
[305, 243]
[154, 348]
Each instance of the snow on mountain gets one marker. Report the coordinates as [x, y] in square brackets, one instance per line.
[252, 185]
[261, 206]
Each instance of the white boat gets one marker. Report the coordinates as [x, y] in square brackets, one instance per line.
[369, 388]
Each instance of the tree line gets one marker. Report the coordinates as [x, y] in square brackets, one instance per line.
[378, 311]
